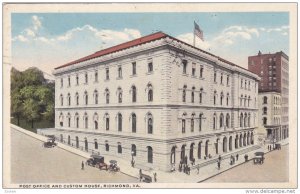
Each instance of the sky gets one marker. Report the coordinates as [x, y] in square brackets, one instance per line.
[48, 40]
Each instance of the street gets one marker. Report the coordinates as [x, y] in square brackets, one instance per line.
[32, 163]
[274, 169]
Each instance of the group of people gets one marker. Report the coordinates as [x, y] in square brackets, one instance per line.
[185, 168]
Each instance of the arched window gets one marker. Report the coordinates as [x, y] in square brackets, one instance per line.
[200, 121]
[61, 100]
[77, 98]
[199, 149]
[225, 144]
[95, 120]
[61, 119]
[150, 123]
[193, 95]
[150, 154]
[69, 119]
[77, 142]
[69, 99]
[241, 83]
[184, 93]
[265, 100]
[183, 122]
[77, 80]
[96, 76]
[249, 85]
[85, 117]
[77, 120]
[227, 120]
[249, 101]
[106, 146]
[119, 149]
[107, 95]
[265, 110]
[245, 84]
[215, 121]
[227, 99]
[96, 144]
[120, 72]
[133, 90]
[245, 120]
[249, 120]
[133, 123]
[69, 140]
[86, 144]
[241, 100]
[86, 97]
[96, 96]
[119, 122]
[215, 97]
[201, 95]
[133, 149]
[264, 120]
[119, 92]
[221, 120]
[241, 120]
[245, 100]
[150, 93]
[192, 122]
[106, 117]
[221, 98]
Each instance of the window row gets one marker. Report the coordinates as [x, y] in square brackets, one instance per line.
[107, 146]
[246, 85]
[185, 67]
[221, 78]
[221, 98]
[192, 119]
[222, 125]
[119, 92]
[106, 119]
[107, 74]
[246, 101]
[193, 91]
[245, 120]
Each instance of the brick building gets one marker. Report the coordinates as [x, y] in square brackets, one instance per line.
[156, 99]
[273, 92]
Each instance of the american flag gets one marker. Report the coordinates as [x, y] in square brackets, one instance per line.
[197, 31]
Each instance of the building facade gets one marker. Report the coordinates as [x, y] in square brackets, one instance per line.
[273, 93]
[156, 99]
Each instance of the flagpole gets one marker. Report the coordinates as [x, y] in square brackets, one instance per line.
[194, 39]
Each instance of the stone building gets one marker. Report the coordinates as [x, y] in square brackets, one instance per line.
[156, 99]
[273, 93]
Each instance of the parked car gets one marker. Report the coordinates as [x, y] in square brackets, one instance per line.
[50, 143]
[259, 158]
[97, 161]
[114, 166]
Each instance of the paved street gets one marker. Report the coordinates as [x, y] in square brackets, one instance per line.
[274, 169]
[31, 163]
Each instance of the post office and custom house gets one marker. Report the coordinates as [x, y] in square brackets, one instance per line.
[156, 99]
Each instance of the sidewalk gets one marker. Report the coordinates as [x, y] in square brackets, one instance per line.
[207, 170]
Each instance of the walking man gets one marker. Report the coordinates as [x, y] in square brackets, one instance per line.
[219, 165]
[82, 166]
[237, 157]
[154, 175]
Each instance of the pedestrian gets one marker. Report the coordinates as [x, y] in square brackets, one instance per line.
[219, 165]
[140, 173]
[237, 157]
[82, 165]
[220, 158]
[246, 157]
[155, 178]
[198, 168]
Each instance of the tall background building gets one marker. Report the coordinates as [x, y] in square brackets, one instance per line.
[273, 93]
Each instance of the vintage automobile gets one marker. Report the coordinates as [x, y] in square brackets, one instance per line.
[258, 158]
[97, 161]
[113, 167]
[50, 143]
[146, 178]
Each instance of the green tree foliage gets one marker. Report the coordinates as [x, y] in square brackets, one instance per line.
[32, 97]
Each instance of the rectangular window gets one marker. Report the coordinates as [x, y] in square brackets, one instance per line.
[86, 78]
[69, 81]
[96, 76]
[193, 69]
[184, 63]
[150, 66]
[201, 71]
[107, 124]
[133, 68]
[61, 82]
[107, 73]
[119, 72]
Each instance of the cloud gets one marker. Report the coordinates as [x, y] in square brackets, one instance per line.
[20, 38]
[36, 21]
[189, 38]
[282, 30]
